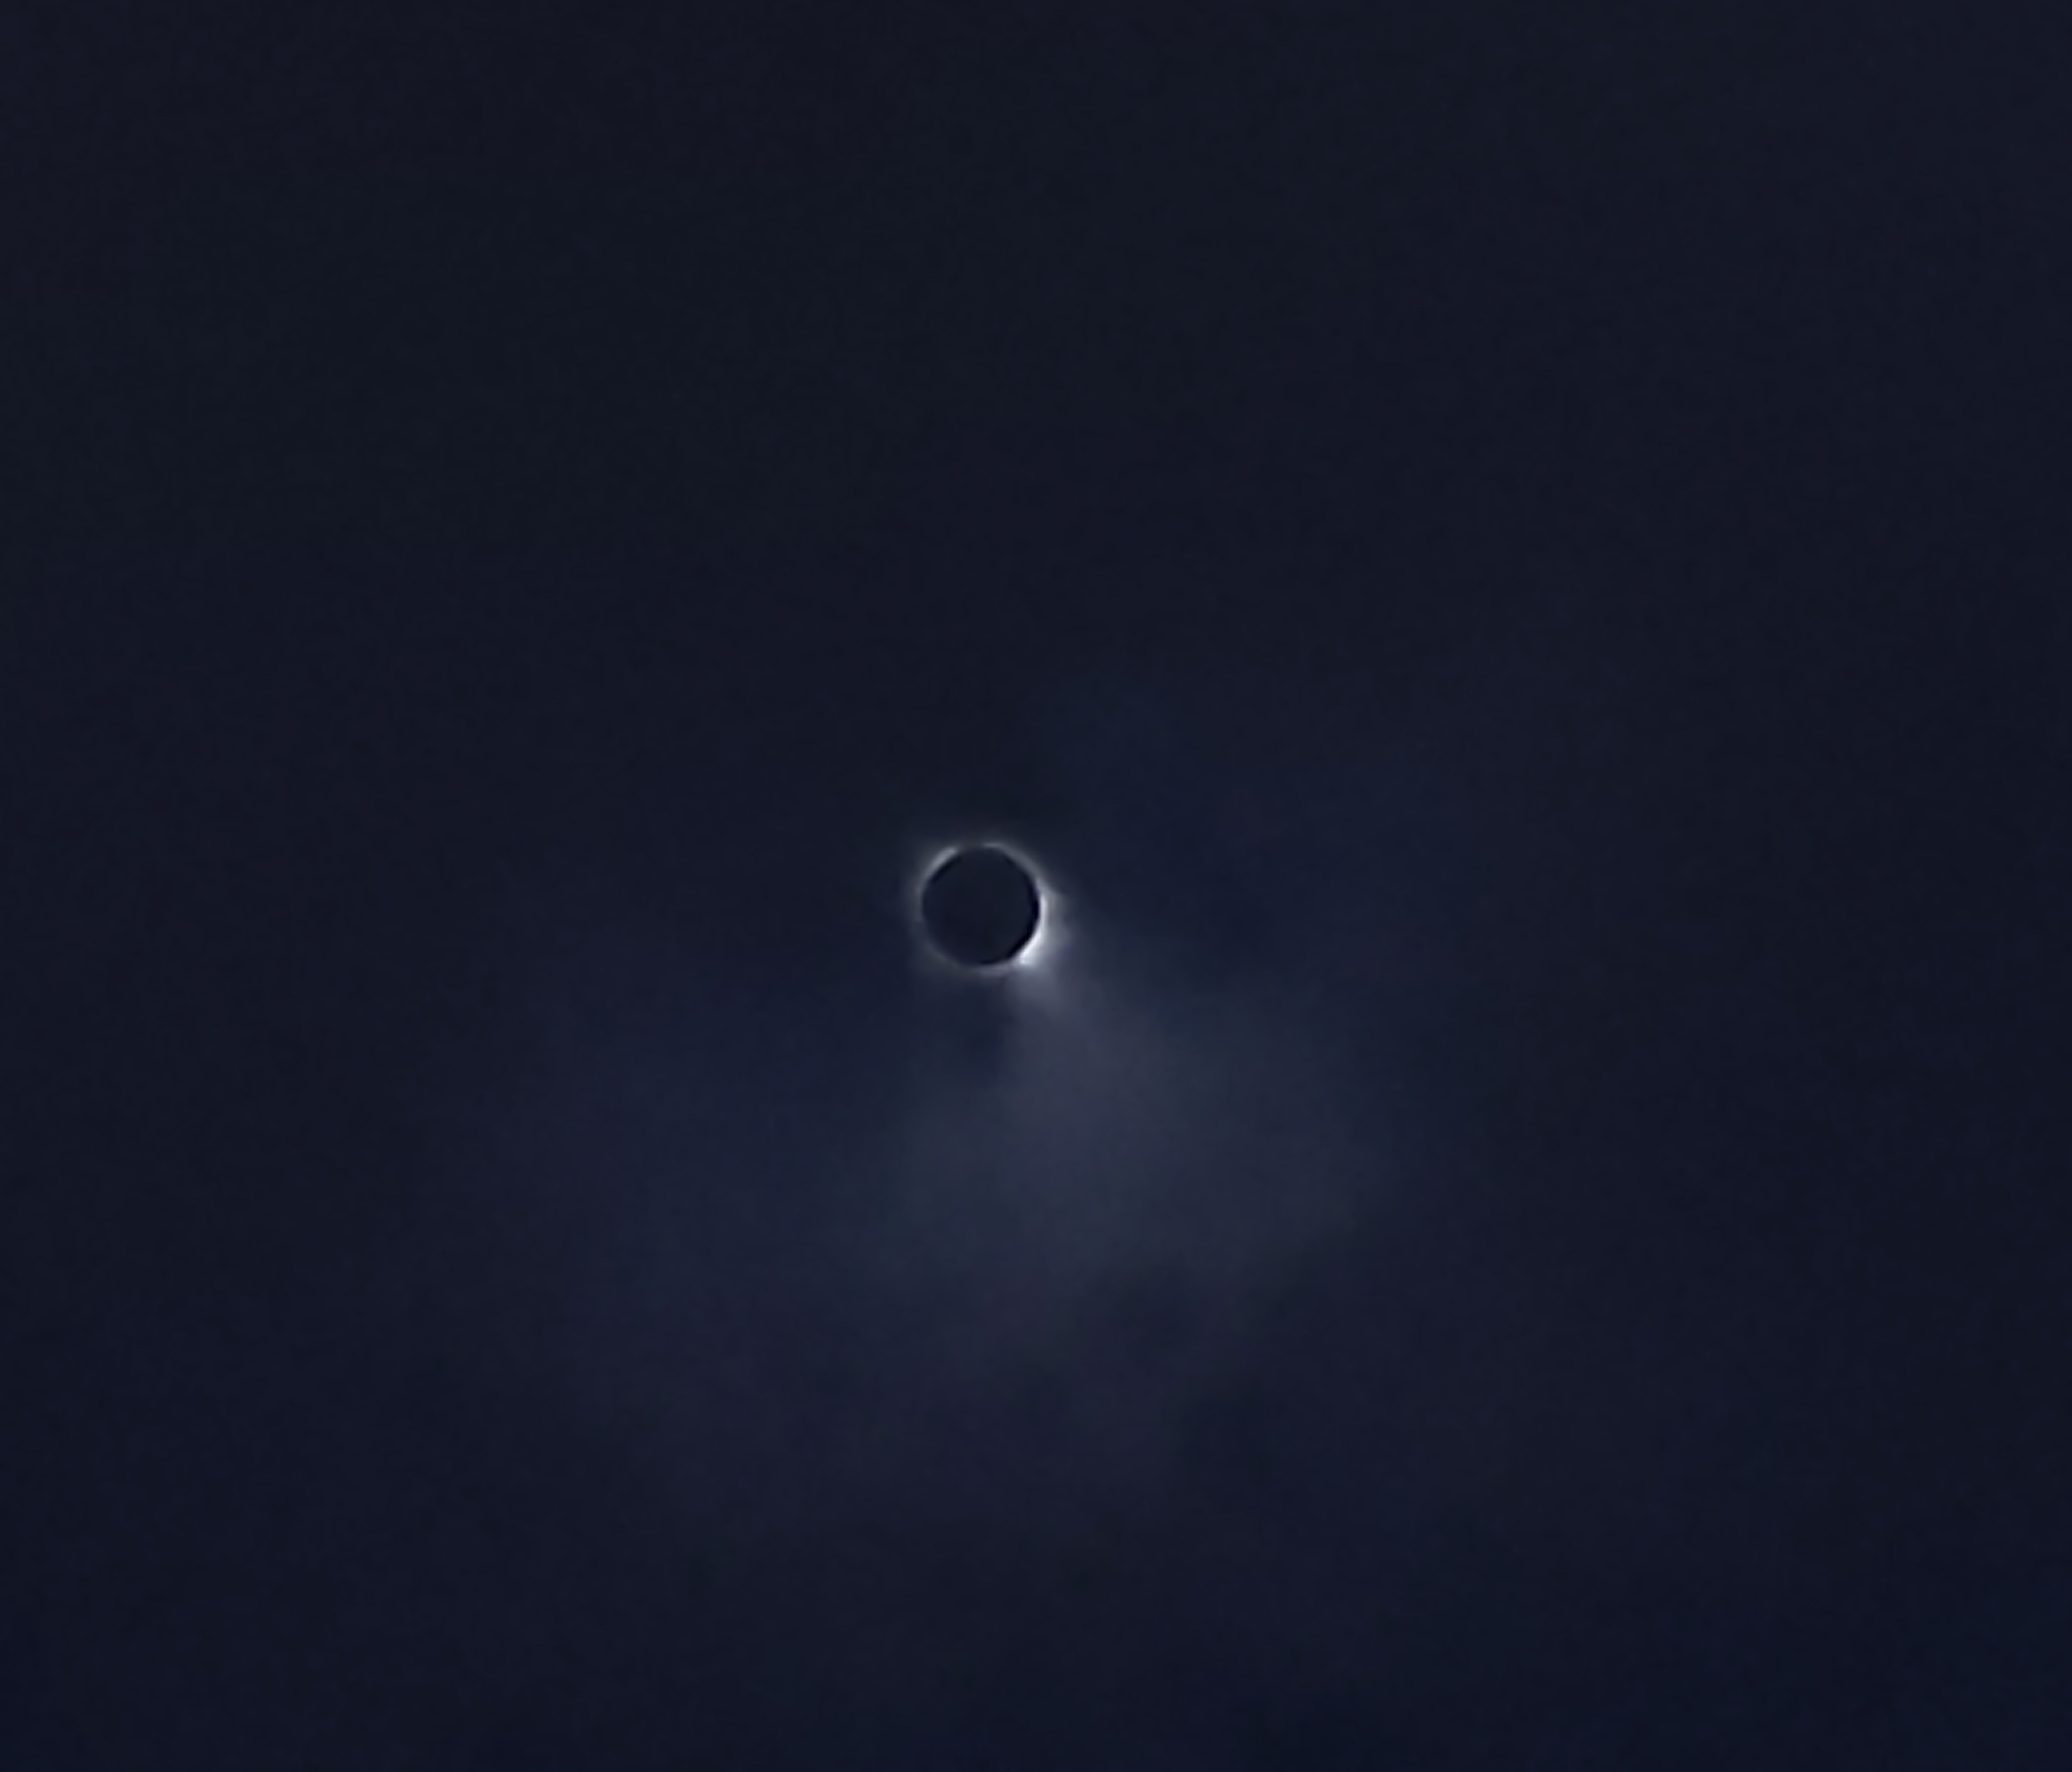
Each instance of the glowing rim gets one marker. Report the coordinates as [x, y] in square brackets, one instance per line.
[1038, 956]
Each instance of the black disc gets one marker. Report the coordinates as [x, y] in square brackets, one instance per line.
[980, 907]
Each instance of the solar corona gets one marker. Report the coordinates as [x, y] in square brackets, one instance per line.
[984, 909]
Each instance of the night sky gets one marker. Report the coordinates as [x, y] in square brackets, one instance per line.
[1506, 564]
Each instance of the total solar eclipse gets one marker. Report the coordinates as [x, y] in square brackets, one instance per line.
[981, 907]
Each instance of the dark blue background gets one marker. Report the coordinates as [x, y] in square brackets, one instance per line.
[1532, 532]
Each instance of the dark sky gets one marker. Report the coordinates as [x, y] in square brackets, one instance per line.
[1506, 562]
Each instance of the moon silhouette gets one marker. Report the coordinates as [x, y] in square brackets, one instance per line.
[980, 907]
